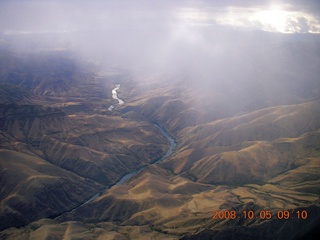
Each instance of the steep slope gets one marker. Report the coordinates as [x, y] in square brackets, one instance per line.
[281, 173]
[32, 188]
[252, 147]
[247, 140]
[256, 172]
[59, 119]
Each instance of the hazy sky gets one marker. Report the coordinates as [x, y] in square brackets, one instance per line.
[275, 16]
[150, 34]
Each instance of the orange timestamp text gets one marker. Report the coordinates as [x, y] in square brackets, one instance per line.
[262, 214]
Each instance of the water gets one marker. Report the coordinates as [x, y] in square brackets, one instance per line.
[131, 174]
[115, 96]
[173, 144]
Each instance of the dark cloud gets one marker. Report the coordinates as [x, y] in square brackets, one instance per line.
[303, 25]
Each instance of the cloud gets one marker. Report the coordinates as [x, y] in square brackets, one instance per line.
[149, 34]
[283, 18]
[301, 25]
[82, 15]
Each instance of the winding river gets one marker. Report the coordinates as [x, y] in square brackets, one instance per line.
[173, 144]
[115, 96]
[131, 174]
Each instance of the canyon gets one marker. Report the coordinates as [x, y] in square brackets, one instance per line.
[170, 152]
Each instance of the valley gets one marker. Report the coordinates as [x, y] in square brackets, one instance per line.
[82, 158]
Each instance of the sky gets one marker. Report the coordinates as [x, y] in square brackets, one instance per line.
[150, 34]
[272, 16]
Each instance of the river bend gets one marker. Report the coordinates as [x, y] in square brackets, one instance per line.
[133, 173]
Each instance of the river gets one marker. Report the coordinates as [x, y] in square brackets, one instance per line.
[133, 173]
[168, 153]
[115, 96]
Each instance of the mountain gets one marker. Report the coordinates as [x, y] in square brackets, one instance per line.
[60, 142]
[246, 140]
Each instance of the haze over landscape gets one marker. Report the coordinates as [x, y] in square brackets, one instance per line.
[159, 119]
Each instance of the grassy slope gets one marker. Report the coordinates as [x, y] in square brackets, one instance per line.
[271, 152]
[63, 124]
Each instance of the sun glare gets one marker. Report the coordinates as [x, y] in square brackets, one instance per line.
[274, 19]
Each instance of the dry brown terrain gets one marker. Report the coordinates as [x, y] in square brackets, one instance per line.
[60, 146]
[65, 130]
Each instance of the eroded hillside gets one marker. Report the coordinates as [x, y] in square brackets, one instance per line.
[241, 147]
[60, 139]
